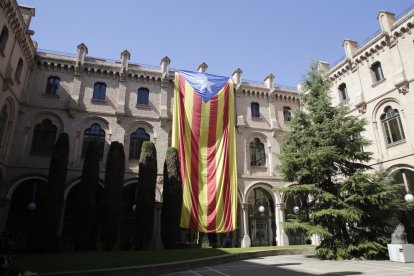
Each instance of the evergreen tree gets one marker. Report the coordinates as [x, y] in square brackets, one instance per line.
[112, 198]
[147, 180]
[324, 146]
[172, 200]
[53, 193]
[86, 200]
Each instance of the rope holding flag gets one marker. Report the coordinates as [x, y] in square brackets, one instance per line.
[204, 134]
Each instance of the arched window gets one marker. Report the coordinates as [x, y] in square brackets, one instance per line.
[257, 153]
[44, 137]
[52, 85]
[4, 36]
[392, 126]
[377, 71]
[94, 132]
[99, 91]
[143, 96]
[4, 118]
[287, 113]
[136, 140]
[19, 69]
[255, 108]
[343, 92]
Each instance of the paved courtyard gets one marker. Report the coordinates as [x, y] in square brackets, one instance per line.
[301, 265]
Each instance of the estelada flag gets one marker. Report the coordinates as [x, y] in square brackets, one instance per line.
[204, 134]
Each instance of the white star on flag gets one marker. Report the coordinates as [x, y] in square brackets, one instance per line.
[205, 84]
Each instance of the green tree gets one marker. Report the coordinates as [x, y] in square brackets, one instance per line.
[147, 180]
[85, 227]
[53, 193]
[112, 197]
[172, 200]
[323, 147]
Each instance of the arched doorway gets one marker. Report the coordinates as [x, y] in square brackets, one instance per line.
[405, 175]
[293, 205]
[261, 217]
[24, 213]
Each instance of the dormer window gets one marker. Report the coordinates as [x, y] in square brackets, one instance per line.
[343, 92]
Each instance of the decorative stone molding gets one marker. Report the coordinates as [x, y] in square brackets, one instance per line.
[72, 112]
[403, 87]
[362, 107]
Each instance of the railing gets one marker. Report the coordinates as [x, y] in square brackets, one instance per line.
[261, 83]
[334, 64]
[56, 52]
[368, 39]
[404, 13]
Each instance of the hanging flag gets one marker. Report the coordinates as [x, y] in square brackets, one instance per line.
[204, 134]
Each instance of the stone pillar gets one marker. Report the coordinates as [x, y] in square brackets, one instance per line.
[281, 237]
[350, 47]
[246, 239]
[236, 76]
[268, 81]
[404, 177]
[386, 20]
[202, 67]
[165, 62]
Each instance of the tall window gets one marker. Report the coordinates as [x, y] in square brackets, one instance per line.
[4, 36]
[287, 113]
[52, 85]
[391, 123]
[377, 71]
[257, 153]
[255, 108]
[343, 92]
[44, 136]
[99, 91]
[4, 118]
[143, 96]
[136, 140]
[94, 132]
[19, 69]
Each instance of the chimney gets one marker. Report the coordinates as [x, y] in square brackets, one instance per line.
[202, 67]
[268, 81]
[236, 76]
[323, 67]
[165, 62]
[387, 20]
[82, 52]
[350, 47]
[125, 57]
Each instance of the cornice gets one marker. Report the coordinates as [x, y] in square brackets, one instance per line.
[19, 28]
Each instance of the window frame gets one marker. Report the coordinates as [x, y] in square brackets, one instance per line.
[377, 72]
[287, 117]
[255, 110]
[52, 88]
[38, 137]
[257, 147]
[19, 69]
[101, 136]
[99, 91]
[392, 116]
[143, 96]
[343, 92]
[140, 137]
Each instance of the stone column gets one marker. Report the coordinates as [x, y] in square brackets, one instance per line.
[246, 239]
[281, 237]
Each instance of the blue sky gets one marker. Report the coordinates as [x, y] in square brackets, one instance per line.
[259, 36]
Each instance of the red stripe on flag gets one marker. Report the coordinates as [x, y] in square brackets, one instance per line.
[227, 196]
[181, 135]
[195, 151]
[212, 166]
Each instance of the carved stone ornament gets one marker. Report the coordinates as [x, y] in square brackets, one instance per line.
[362, 107]
[403, 87]
[399, 236]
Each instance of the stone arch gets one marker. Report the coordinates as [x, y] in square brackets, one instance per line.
[42, 115]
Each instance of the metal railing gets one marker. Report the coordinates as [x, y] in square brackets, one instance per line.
[404, 13]
[56, 52]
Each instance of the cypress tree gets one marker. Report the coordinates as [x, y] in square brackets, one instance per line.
[172, 200]
[86, 201]
[324, 146]
[112, 198]
[147, 179]
[52, 196]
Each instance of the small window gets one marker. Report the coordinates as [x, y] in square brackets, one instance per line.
[257, 153]
[44, 136]
[343, 92]
[99, 91]
[137, 138]
[255, 108]
[392, 126]
[143, 96]
[4, 36]
[52, 86]
[287, 113]
[19, 69]
[94, 132]
[377, 72]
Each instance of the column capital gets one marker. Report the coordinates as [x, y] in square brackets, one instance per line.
[245, 206]
[280, 205]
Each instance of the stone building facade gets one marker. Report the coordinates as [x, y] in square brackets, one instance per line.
[44, 93]
[375, 78]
